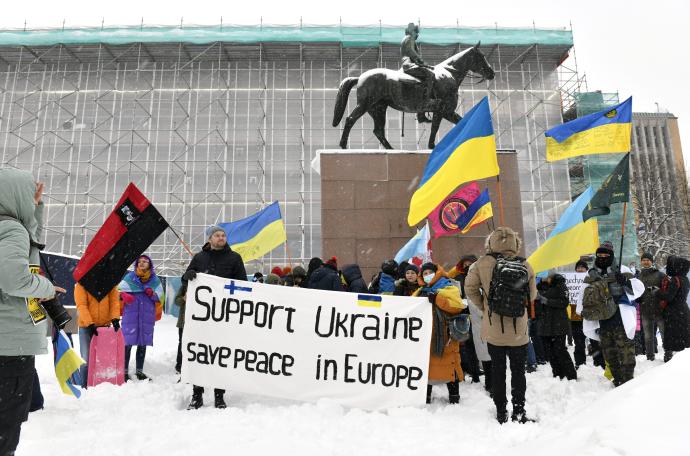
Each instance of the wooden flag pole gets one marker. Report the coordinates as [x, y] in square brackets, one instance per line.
[184, 244]
[620, 256]
[500, 200]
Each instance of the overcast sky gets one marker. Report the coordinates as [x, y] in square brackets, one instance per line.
[637, 48]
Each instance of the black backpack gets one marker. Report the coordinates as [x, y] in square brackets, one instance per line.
[509, 289]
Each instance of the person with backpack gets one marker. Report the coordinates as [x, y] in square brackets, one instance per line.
[444, 362]
[673, 294]
[553, 324]
[604, 293]
[502, 285]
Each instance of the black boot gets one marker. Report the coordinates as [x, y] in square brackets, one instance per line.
[520, 416]
[197, 398]
[142, 376]
[428, 393]
[453, 392]
[667, 356]
[486, 365]
[501, 414]
[219, 401]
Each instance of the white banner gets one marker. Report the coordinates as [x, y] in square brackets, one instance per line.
[575, 283]
[364, 351]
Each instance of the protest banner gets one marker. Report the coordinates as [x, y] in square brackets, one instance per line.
[361, 350]
[575, 281]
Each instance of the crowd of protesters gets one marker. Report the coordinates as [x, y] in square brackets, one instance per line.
[516, 321]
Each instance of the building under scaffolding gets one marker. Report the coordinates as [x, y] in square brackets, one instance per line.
[213, 123]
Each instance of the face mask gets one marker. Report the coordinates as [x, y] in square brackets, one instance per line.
[603, 262]
[428, 278]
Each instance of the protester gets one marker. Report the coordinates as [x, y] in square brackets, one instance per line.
[273, 279]
[314, 264]
[579, 338]
[651, 317]
[354, 283]
[218, 259]
[506, 336]
[459, 271]
[94, 314]
[673, 295]
[384, 282]
[326, 277]
[410, 283]
[444, 362]
[180, 300]
[258, 277]
[618, 349]
[21, 226]
[553, 324]
[141, 292]
[299, 277]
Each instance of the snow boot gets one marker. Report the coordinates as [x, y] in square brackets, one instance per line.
[520, 416]
[197, 399]
[453, 392]
[667, 356]
[501, 415]
[219, 401]
[142, 376]
[127, 378]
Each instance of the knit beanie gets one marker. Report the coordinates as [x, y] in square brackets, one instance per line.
[212, 229]
[412, 267]
[429, 266]
[581, 264]
[332, 263]
[605, 247]
[647, 256]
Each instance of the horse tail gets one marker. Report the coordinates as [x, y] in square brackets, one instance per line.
[341, 100]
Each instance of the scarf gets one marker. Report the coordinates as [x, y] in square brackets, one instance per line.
[442, 282]
[144, 276]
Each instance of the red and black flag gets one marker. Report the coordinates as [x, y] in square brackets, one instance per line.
[127, 232]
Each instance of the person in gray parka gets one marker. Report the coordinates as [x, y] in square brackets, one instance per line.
[21, 216]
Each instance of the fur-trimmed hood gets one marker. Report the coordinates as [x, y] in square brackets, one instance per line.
[503, 240]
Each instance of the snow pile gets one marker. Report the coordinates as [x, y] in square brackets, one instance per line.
[587, 417]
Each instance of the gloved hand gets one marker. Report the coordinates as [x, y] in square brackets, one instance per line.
[126, 297]
[432, 297]
[621, 279]
[189, 275]
[92, 330]
[148, 291]
[116, 324]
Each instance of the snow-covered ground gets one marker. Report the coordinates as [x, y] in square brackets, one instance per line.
[646, 416]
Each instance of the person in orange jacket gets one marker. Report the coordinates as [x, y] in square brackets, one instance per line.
[93, 314]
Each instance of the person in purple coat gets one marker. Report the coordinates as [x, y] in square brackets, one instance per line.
[142, 295]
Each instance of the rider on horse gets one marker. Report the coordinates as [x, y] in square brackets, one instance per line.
[413, 65]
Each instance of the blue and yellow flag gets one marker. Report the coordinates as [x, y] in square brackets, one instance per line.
[67, 363]
[570, 239]
[466, 153]
[258, 234]
[366, 300]
[604, 132]
[479, 211]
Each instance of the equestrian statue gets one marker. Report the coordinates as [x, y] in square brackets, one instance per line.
[416, 88]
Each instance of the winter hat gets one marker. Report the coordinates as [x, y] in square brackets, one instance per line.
[412, 267]
[581, 263]
[647, 256]
[605, 247]
[277, 271]
[287, 270]
[429, 266]
[273, 279]
[212, 229]
[389, 267]
[299, 271]
[332, 263]
[258, 276]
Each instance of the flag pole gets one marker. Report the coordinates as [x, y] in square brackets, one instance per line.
[184, 244]
[500, 199]
[620, 257]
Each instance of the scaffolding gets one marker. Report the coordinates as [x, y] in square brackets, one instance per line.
[213, 131]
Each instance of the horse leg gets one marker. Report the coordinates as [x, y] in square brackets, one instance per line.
[452, 117]
[349, 123]
[378, 113]
[435, 123]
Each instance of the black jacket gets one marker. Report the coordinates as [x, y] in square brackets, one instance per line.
[551, 308]
[676, 314]
[649, 303]
[325, 278]
[222, 263]
[404, 287]
[353, 277]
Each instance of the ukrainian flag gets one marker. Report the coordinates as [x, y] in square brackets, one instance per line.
[466, 153]
[67, 363]
[369, 300]
[604, 132]
[479, 211]
[570, 239]
[258, 234]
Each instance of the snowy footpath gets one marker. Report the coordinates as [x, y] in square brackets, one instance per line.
[647, 416]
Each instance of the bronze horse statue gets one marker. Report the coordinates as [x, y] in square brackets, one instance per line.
[380, 88]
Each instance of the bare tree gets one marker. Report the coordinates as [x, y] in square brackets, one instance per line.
[661, 224]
